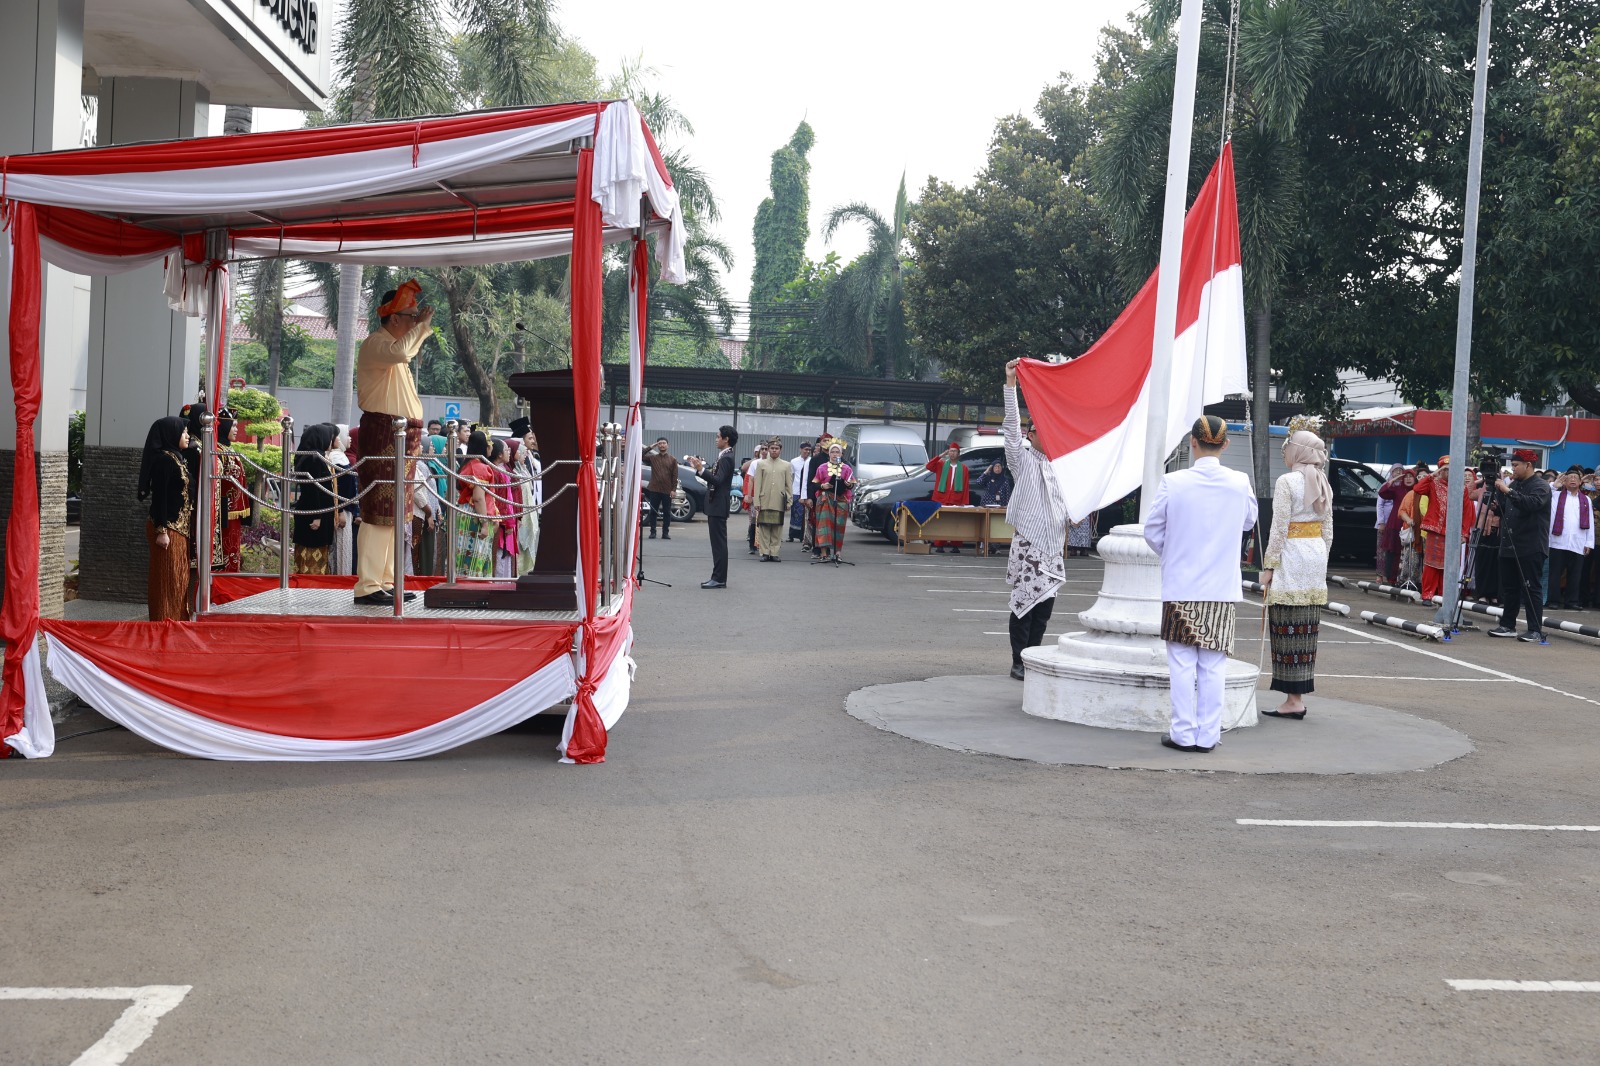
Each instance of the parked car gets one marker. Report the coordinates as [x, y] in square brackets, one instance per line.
[877, 501]
[1355, 510]
[690, 499]
[74, 508]
[882, 449]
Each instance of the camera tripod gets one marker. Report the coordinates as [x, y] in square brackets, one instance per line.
[639, 574]
[1491, 502]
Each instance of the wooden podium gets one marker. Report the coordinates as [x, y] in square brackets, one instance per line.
[552, 584]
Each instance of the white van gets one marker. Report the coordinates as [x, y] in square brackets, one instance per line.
[882, 449]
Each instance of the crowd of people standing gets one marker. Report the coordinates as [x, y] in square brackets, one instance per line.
[1530, 535]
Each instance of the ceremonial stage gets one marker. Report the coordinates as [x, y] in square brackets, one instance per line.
[289, 668]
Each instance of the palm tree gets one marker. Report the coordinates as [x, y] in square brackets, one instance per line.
[868, 297]
[395, 60]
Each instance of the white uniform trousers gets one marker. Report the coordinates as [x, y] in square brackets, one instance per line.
[1197, 691]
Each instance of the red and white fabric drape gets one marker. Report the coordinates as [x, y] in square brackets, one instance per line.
[70, 209]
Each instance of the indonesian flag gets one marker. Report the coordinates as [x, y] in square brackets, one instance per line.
[1091, 413]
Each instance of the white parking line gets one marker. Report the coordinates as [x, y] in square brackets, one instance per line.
[1460, 662]
[1523, 986]
[1317, 824]
[130, 1030]
[980, 592]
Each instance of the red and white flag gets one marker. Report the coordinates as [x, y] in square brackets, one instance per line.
[1091, 413]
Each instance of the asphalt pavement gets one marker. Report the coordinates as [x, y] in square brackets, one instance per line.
[756, 876]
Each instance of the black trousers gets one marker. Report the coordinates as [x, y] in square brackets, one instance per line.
[660, 504]
[1522, 587]
[1570, 566]
[1028, 631]
[719, 546]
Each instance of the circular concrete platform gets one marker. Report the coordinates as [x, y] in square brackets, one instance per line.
[984, 714]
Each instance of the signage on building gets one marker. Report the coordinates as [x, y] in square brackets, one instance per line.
[298, 19]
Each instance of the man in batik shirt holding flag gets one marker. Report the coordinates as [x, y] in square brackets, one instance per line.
[951, 488]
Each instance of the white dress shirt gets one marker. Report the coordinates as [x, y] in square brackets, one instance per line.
[1195, 524]
[1572, 538]
[799, 486]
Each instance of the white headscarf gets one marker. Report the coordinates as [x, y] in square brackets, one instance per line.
[336, 454]
[1308, 453]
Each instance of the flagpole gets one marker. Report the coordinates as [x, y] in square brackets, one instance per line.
[1183, 88]
[1459, 472]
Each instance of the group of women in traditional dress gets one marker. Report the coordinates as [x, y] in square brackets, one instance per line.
[502, 479]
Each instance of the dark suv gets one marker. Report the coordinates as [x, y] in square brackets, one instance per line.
[877, 501]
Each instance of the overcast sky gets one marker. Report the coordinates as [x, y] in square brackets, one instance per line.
[890, 87]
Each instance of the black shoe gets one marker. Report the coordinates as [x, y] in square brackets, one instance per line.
[775, 559]
[379, 598]
[1532, 636]
[1016, 671]
[939, 550]
[753, 552]
[1296, 715]
[1502, 631]
[955, 551]
[713, 584]
[652, 534]
[1168, 742]
[666, 536]
[1572, 607]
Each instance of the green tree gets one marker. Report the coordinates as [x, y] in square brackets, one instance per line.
[864, 315]
[1020, 263]
[781, 227]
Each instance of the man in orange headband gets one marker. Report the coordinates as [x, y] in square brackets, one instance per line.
[386, 391]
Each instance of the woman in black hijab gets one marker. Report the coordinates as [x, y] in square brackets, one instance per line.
[313, 533]
[164, 481]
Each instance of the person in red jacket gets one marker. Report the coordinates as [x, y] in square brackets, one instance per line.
[950, 488]
[1434, 488]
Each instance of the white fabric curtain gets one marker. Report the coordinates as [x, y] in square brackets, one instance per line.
[285, 183]
[38, 737]
[183, 731]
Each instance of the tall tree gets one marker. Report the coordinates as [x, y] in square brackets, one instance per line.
[864, 314]
[1021, 262]
[781, 227]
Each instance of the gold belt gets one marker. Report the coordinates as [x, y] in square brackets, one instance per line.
[1305, 529]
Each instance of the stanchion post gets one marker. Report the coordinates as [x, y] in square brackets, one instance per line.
[285, 522]
[400, 520]
[203, 523]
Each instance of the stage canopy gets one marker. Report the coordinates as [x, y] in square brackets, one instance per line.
[484, 187]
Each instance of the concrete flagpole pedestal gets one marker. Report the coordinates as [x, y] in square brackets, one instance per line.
[1115, 675]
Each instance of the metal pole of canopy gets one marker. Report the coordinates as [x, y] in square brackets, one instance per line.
[285, 523]
[400, 520]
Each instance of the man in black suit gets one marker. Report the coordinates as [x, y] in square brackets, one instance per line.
[718, 476]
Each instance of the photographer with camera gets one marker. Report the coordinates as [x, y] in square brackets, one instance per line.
[1523, 505]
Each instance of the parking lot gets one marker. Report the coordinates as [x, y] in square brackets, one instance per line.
[755, 876]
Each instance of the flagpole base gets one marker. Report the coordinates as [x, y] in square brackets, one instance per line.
[1114, 675]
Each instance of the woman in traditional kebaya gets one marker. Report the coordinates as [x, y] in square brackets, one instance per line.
[475, 531]
[1393, 492]
[502, 503]
[1295, 571]
[527, 472]
[835, 485]
[164, 481]
[317, 501]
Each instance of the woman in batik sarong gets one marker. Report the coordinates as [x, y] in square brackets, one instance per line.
[164, 481]
[835, 485]
[229, 505]
[524, 478]
[317, 502]
[1296, 566]
[478, 521]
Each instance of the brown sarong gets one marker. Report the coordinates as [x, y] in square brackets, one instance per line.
[375, 439]
[1204, 624]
